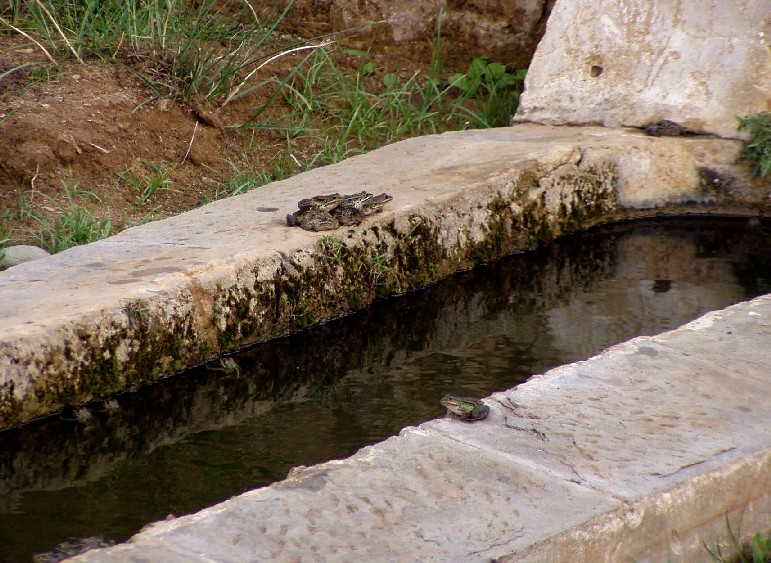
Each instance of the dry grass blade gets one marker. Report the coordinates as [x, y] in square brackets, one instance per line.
[324, 44]
[27, 36]
[59, 29]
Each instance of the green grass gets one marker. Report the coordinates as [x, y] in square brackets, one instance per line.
[148, 184]
[756, 549]
[212, 50]
[73, 222]
[493, 93]
[179, 49]
[5, 235]
[346, 113]
[758, 148]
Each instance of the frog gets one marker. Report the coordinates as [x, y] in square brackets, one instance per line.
[349, 211]
[327, 212]
[375, 203]
[667, 128]
[312, 219]
[465, 408]
[325, 202]
[314, 213]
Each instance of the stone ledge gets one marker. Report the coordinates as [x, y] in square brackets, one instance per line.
[164, 296]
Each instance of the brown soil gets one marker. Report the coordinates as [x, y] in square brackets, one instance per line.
[90, 122]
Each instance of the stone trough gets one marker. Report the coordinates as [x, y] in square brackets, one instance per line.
[647, 452]
[168, 295]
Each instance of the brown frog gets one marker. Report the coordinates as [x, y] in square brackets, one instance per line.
[327, 212]
[314, 213]
[349, 211]
[375, 203]
[667, 128]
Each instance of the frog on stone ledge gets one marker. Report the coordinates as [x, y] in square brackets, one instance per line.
[327, 212]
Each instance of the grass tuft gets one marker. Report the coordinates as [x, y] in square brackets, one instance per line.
[72, 224]
[758, 149]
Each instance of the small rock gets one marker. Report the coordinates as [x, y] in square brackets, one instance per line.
[15, 255]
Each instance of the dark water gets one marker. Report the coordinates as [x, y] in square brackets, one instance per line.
[193, 440]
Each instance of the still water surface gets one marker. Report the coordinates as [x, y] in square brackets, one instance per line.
[193, 440]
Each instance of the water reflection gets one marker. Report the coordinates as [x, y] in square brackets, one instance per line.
[190, 441]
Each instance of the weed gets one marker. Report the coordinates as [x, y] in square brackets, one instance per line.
[149, 184]
[494, 86]
[73, 225]
[758, 148]
[178, 49]
[757, 550]
[5, 231]
[243, 180]
[348, 113]
[136, 310]
[379, 268]
[332, 248]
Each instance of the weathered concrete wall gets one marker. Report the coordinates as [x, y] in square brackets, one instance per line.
[503, 31]
[167, 295]
[628, 63]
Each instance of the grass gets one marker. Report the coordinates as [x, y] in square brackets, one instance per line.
[756, 550]
[179, 49]
[758, 148]
[245, 179]
[349, 113]
[136, 310]
[5, 238]
[211, 50]
[158, 179]
[72, 222]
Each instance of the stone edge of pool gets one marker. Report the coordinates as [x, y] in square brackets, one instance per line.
[165, 296]
[657, 449]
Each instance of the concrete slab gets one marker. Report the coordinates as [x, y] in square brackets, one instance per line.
[639, 453]
[412, 498]
[161, 297]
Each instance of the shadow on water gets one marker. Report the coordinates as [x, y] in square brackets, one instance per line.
[190, 441]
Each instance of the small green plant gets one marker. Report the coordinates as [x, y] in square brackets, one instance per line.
[757, 550]
[73, 224]
[337, 114]
[380, 270]
[136, 310]
[758, 148]
[495, 86]
[5, 232]
[244, 180]
[147, 185]
[332, 248]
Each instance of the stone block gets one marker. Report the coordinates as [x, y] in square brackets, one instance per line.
[627, 63]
